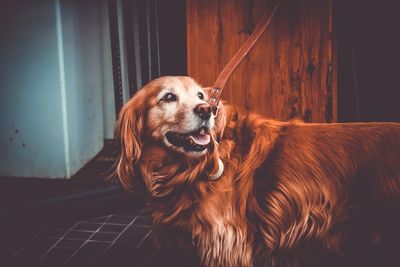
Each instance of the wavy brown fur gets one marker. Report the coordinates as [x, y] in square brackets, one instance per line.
[289, 189]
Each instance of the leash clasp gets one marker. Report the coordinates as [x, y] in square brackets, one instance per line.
[215, 95]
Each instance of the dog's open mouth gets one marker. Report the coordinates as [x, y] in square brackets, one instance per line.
[193, 141]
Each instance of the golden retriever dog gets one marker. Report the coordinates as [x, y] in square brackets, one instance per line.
[238, 189]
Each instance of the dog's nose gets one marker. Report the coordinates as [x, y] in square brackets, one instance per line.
[203, 111]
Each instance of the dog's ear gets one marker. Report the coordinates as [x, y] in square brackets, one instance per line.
[129, 131]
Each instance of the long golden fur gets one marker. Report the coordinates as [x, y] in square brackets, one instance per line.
[291, 193]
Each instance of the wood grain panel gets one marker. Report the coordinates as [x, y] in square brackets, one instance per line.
[286, 75]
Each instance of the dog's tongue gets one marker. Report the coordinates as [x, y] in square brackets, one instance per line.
[200, 138]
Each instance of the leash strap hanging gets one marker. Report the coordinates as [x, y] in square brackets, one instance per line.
[216, 89]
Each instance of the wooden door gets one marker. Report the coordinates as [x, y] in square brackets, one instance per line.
[290, 73]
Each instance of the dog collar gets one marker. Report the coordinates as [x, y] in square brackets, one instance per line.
[220, 171]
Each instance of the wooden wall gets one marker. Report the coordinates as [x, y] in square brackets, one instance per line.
[287, 74]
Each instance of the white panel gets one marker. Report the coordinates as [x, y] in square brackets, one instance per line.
[55, 69]
[31, 133]
[81, 30]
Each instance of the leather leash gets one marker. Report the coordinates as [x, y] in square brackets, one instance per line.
[219, 85]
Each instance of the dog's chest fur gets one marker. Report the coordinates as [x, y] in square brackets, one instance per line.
[206, 213]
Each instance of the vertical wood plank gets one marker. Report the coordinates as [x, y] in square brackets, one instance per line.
[286, 75]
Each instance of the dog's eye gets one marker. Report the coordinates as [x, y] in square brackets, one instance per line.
[200, 95]
[169, 98]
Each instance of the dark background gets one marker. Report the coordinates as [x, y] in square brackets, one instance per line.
[368, 60]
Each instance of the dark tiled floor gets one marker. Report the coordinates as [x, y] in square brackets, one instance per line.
[113, 240]
[82, 221]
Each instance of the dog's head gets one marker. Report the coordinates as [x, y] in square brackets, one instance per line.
[180, 116]
[172, 112]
